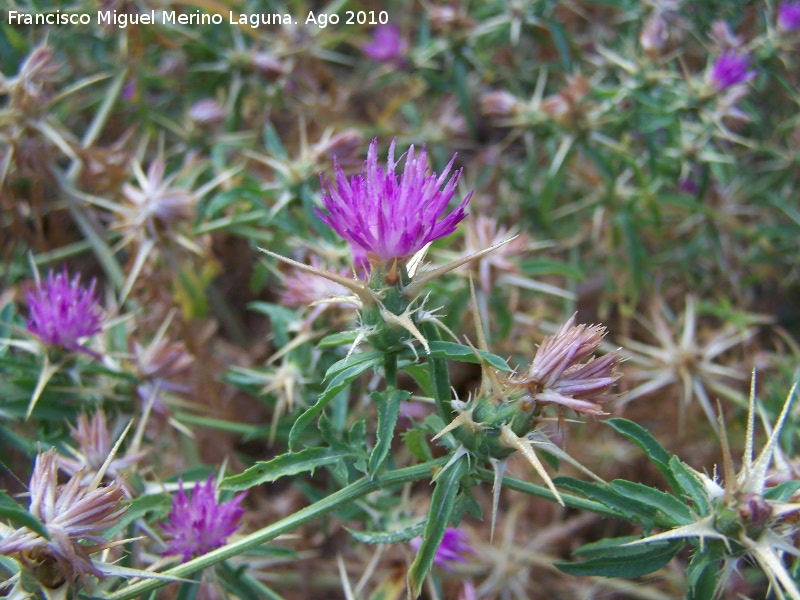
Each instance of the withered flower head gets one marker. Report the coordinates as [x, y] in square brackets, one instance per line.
[156, 203]
[72, 514]
[558, 374]
[94, 445]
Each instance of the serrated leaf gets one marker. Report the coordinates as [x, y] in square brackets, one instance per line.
[615, 560]
[677, 512]
[286, 465]
[702, 574]
[388, 409]
[341, 380]
[443, 501]
[395, 536]
[461, 353]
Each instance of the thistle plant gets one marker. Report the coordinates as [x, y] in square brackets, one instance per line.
[64, 313]
[422, 304]
[201, 523]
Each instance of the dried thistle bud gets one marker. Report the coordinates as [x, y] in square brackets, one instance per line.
[559, 376]
[207, 112]
[29, 91]
[343, 145]
[94, 445]
[72, 514]
[500, 104]
[156, 203]
[268, 65]
[444, 19]
[565, 106]
[654, 35]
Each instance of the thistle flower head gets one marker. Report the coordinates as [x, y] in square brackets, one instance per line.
[789, 16]
[387, 45]
[558, 374]
[730, 69]
[62, 312]
[156, 202]
[30, 90]
[453, 549]
[200, 524]
[94, 446]
[387, 217]
[207, 111]
[71, 514]
[159, 365]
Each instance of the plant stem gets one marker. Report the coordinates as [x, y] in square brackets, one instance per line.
[343, 497]
[390, 369]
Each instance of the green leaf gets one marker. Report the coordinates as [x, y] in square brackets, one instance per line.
[388, 537]
[783, 491]
[422, 375]
[689, 485]
[416, 442]
[702, 574]
[240, 584]
[343, 378]
[627, 508]
[645, 440]
[285, 465]
[612, 558]
[372, 356]
[677, 512]
[388, 409]
[461, 353]
[272, 141]
[19, 517]
[443, 500]
[345, 338]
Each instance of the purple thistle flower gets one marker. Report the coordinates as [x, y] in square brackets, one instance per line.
[789, 16]
[729, 70]
[389, 218]
[200, 524]
[454, 548]
[387, 45]
[63, 311]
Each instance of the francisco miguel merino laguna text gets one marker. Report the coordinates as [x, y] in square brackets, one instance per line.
[122, 20]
